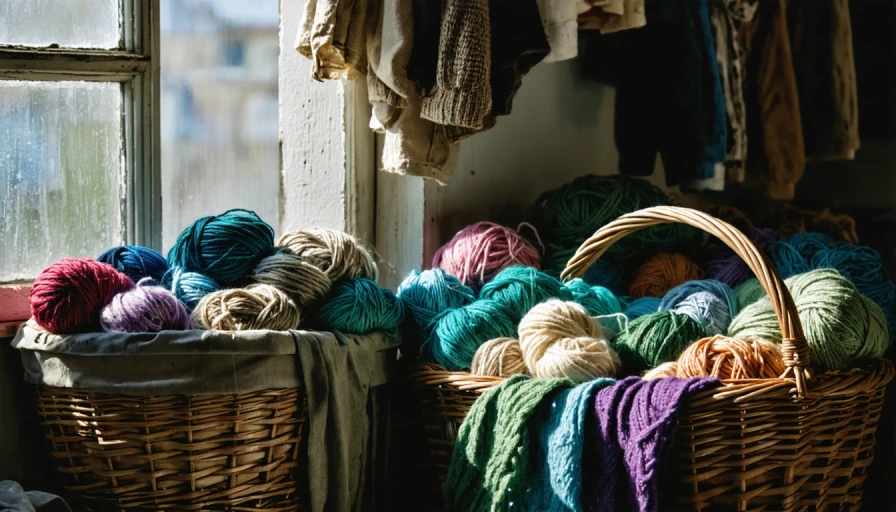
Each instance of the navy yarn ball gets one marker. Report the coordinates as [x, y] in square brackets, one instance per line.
[136, 262]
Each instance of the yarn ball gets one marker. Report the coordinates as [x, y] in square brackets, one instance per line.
[657, 338]
[360, 306]
[519, 289]
[560, 340]
[661, 273]
[226, 247]
[568, 215]
[478, 252]
[607, 274]
[708, 310]
[339, 255]
[145, 309]
[257, 306]
[793, 255]
[69, 295]
[717, 288]
[303, 282]
[459, 332]
[596, 300]
[726, 266]
[642, 306]
[731, 358]
[136, 262]
[662, 371]
[428, 293]
[189, 287]
[500, 357]
[842, 326]
[748, 292]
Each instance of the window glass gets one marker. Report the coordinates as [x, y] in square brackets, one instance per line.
[220, 139]
[60, 169]
[66, 23]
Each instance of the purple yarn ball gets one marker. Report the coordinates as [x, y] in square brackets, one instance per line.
[145, 309]
[728, 267]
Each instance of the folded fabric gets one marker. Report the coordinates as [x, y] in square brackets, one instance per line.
[635, 422]
[555, 480]
[14, 499]
[492, 451]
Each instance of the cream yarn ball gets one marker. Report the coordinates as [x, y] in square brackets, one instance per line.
[560, 339]
[500, 357]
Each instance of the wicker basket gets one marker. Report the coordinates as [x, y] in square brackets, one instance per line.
[796, 443]
[214, 452]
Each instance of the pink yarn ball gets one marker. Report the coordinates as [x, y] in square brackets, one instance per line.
[479, 251]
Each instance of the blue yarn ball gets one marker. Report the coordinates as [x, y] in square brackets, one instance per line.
[596, 300]
[428, 293]
[607, 274]
[136, 262]
[459, 332]
[793, 255]
[708, 310]
[225, 247]
[520, 288]
[189, 287]
[360, 306]
[717, 288]
[642, 306]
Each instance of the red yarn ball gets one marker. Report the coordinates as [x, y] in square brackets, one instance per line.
[68, 296]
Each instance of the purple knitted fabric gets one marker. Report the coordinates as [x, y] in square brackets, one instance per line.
[635, 423]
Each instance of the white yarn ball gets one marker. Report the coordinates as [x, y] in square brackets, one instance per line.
[560, 339]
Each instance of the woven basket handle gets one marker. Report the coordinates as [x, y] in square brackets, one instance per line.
[795, 348]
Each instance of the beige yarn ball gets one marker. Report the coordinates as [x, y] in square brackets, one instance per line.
[662, 371]
[258, 306]
[302, 281]
[339, 255]
[560, 339]
[500, 357]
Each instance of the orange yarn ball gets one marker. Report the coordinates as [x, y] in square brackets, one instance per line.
[730, 358]
[661, 273]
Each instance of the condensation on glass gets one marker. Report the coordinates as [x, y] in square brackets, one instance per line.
[66, 23]
[60, 173]
[220, 137]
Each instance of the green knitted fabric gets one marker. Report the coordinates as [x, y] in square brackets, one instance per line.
[491, 454]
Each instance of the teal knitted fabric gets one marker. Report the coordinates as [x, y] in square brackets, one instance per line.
[492, 451]
[556, 484]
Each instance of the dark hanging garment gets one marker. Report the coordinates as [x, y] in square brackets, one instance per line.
[874, 48]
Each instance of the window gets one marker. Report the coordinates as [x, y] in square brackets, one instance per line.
[77, 171]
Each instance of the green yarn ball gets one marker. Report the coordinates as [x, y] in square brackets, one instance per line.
[520, 288]
[596, 300]
[459, 332]
[748, 292]
[657, 338]
[842, 326]
[360, 306]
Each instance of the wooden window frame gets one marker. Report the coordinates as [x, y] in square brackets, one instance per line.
[135, 65]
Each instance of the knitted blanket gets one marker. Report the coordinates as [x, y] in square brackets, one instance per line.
[555, 479]
[635, 425]
[492, 451]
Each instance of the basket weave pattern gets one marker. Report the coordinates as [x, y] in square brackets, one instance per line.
[800, 442]
[217, 452]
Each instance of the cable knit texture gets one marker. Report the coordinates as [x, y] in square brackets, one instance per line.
[462, 96]
[492, 451]
[555, 481]
[635, 426]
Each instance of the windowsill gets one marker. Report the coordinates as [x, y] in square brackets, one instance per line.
[14, 306]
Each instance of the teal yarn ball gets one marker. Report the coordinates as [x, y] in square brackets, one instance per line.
[520, 288]
[710, 302]
[657, 338]
[596, 300]
[748, 292]
[642, 306]
[842, 326]
[361, 306]
[793, 255]
[225, 248]
[428, 293]
[459, 332]
[189, 287]
[607, 274]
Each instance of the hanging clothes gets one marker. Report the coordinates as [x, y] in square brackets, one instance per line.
[390, 40]
[776, 156]
[615, 15]
[561, 27]
[333, 35]
[821, 47]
